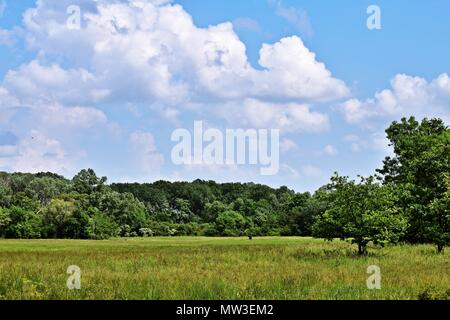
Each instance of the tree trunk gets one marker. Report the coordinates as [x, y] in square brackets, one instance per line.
[361, 248]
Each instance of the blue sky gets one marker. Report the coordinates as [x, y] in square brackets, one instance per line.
[110, 94]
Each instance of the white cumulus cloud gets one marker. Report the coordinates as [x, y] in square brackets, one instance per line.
[408, 96]
[164, 57]
[329, 150]
[289, 117]
[36, 153]
[148, 158]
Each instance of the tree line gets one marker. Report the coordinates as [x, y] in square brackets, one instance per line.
[407, 200]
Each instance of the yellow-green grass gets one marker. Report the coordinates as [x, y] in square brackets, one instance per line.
[218, 268]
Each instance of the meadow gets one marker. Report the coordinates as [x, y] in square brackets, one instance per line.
[219, 268]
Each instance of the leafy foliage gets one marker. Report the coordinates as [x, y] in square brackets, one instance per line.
[420, 171]
[363, 212]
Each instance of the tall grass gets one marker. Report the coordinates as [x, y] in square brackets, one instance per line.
[218, 268]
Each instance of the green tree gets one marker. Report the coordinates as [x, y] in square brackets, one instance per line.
[21, 200]
[102, 227]
[214, 209]
[363, 212]
[45, 189]
[123, 208]
[437, 227]
[5, 194]
[5, 222]
[230, 223]
[23, 224]
[418, 169]
[298, 215]
[181, 212]
[57, 216]
[87, 182]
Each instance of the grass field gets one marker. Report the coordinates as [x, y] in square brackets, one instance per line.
[218, 268]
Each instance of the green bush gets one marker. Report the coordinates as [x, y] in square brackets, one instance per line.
[102, 227]
[20, 224]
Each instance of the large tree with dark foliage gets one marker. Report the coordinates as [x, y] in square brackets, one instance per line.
[363, 212]
[420, 169]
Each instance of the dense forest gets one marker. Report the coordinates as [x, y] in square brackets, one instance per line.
[407, 200]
